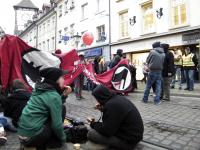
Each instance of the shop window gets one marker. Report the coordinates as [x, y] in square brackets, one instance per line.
[148, 17]
[123, 25]
[179, 13]
[101, 33]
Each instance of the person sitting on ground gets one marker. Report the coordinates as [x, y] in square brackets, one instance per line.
[16, 101]
[121, 127]
[41, 123]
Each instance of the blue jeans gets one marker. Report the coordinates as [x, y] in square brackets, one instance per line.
[178, 75]
[189, 76]
[153, 77]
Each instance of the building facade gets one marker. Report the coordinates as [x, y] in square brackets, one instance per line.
[136, 24]
[76, 17]
[41, 32]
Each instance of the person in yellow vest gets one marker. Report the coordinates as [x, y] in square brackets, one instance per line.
[178, 62]
[189, 65]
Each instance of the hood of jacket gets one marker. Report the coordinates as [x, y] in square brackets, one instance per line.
[20, 95]
[159, 50]
[102, 94]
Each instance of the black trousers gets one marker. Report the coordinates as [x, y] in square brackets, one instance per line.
[47, 138]
[110, 142]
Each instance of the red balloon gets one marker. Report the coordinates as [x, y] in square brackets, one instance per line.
[88, 38]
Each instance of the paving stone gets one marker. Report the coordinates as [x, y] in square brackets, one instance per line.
[176, 146]
[166, 142]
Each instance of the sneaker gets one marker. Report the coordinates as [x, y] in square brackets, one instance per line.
[78, 98]
[82, 97]
[144, 101]
[3, 140]
[172, 87]
[186, 89]
[158, 103]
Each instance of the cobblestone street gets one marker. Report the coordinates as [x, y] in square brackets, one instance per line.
[172, 125]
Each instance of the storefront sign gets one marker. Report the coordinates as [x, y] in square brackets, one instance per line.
[93, 52]
[191, 37]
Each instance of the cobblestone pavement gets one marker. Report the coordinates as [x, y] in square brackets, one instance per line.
[172, 125]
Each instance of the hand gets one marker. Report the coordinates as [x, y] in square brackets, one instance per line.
[90, 120]
[98, 107]
[67, 90]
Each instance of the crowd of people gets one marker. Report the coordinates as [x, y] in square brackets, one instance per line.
[38, 116]
[164, 67]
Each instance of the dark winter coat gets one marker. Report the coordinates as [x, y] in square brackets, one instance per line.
[115, 61]
[120, 117]
[15, 103]
[168, 66]
[155, 60]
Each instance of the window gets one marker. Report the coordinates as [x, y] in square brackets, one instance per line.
[72, 29]
[53, 22]
[44, 27]
[52, 43]
[100, 5]
[179, 12]
[66, 30]
[60, 11]
[39, 47]
[72, 4]
[48, 23]
[60, 35]
[43, 48]
[123, 25]
[84, 10]
[148, 17]
[66, 6]
[101, 33]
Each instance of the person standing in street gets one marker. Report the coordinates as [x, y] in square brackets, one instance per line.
[189, 65]
[116, 59]
[155, 62]
[178, 62]
[79, 81]
[168, 72]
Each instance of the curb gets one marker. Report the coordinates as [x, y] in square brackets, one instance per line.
[175, 94]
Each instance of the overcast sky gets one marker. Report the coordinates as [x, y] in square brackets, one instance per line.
[7, 15]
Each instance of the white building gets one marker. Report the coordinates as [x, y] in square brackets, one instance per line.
[41, 32]
[46, 26]
[75, 16]
[136, 24]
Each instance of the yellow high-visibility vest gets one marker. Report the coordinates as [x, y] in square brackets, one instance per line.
[187, 60]
[178, 62]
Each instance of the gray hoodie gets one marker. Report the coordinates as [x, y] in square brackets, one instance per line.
[155, 59]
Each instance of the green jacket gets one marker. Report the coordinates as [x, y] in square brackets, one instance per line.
[45, 102]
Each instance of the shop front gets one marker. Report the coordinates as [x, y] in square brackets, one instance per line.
[137, 50]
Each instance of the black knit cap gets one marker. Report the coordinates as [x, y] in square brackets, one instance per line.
[156, 44]
[120, 52]
[52, 73]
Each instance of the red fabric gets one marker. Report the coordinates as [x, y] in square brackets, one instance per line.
[11, 48]
[68, 63]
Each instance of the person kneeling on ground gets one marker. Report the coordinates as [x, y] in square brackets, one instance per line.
[41, 123]
[121, 127]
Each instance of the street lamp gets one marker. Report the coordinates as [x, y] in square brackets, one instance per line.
[159, 13]
[132, 21]
[77, 39]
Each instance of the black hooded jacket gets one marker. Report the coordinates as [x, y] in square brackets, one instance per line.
[15, 103]
[120, 117]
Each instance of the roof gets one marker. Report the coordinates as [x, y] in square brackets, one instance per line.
[25, 4]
